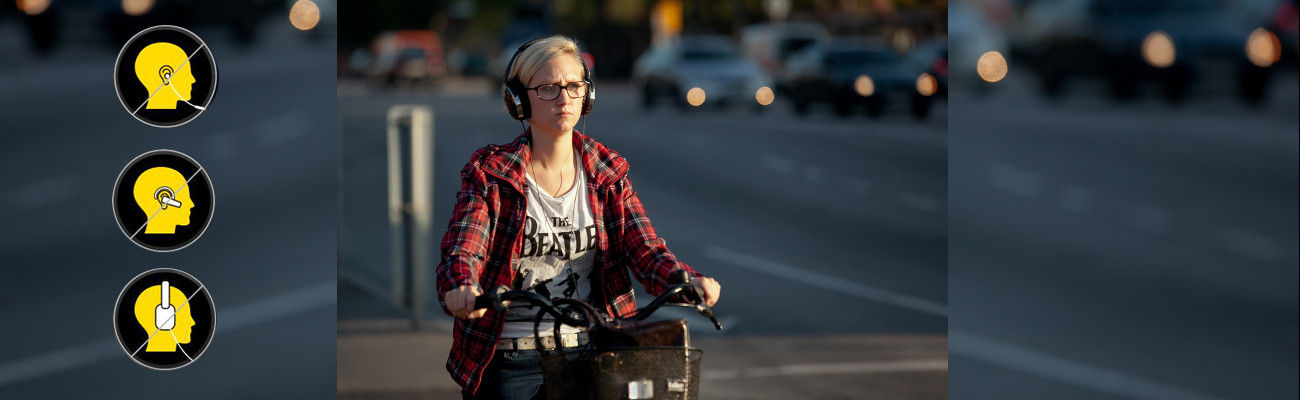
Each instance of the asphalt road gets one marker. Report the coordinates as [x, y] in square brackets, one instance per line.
[854, 207]
[1122, 250]
[267, 143]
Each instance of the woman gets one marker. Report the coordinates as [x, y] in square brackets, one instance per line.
[552, 212]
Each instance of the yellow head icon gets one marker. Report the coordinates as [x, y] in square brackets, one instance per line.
[164, 197]
[168, 322]
[162, 69]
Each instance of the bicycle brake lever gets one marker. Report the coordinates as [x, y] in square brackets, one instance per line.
[708, 312]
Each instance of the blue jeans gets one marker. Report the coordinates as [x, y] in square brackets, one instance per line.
[512, 375]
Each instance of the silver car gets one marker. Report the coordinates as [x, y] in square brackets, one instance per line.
[700, 71]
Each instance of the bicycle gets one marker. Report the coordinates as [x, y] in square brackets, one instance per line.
[625, 358]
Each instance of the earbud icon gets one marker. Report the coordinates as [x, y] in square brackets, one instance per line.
[166, 197]
[165, 315]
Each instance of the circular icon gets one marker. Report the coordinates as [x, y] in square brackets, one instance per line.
[163, 200]
[165, 76]
[164, 319]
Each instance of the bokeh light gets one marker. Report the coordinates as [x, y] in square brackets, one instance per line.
[764, 96]
[695, 96]
[1158, 49]
[136, 8]
[992, 67]
[33, 7]
[1262, 48]
[304, 15]
[926, 85]
[864, 86]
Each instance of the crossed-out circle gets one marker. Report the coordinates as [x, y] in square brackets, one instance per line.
[164, 331]
[165, 76]
[163, 200]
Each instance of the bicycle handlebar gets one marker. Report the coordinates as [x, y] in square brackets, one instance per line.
[681, 294]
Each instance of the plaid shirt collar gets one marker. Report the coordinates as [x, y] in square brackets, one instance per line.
[602, 165]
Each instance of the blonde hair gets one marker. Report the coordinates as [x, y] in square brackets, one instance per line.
[538, 54]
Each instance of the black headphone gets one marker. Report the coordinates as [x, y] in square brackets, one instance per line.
[515, 93]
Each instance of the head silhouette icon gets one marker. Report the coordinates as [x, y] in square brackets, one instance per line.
[164, 197]
[162, 69]
[166, 326]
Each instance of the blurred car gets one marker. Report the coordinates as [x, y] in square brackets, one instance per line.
[407, 57]
[771, 45]
[1175, 43]
[970, 35]
[711, 63]
[851, 74]
[45, 20]
[931, 56]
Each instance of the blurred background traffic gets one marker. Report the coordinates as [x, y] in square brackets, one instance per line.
[794, 150]
[1123, 190]
[267, 264]
[853, 56]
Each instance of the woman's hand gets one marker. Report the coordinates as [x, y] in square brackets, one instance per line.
[460, 301]
[710, 288]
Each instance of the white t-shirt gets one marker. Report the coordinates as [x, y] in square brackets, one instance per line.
[556, 258]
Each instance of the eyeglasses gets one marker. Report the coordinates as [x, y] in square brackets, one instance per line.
[551, 91]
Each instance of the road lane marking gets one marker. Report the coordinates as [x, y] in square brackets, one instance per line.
[1251, 244]
[988, 350]
[46, 192]
[1075, 198]
[778, 164]
[813, 174]
[840, 368]
[1063, 370]
[857, 186]
[825, 281]
[918, 202]
[1019, 182]
[248, 314]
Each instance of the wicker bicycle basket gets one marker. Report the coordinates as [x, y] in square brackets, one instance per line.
[668, 373]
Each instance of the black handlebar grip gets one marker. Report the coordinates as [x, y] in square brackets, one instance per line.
[679, 277]
[491, 299]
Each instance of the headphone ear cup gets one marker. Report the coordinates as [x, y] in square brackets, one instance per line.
[509, 99]
[590, 99]
[516, 103]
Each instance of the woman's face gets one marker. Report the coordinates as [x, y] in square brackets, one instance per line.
[559, 115]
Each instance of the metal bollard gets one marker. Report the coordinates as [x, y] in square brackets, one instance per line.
[410, 220]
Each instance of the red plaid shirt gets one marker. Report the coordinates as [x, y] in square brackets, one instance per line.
[483, 241]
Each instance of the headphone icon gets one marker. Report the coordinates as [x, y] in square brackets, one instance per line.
[164, 316]
[166, 197]
[514, 92]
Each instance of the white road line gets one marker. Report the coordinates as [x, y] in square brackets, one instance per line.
[1251, 244]
[814, 174]
[918, 202]
[778, 164]
[46, 192]
[857, 186]
[1075, 198]
[988, 350]
[245, 315]
[1060, 369]
[281, 129]
[1019, 182]
[825, 281]
[842, 368]
[1150, 219]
